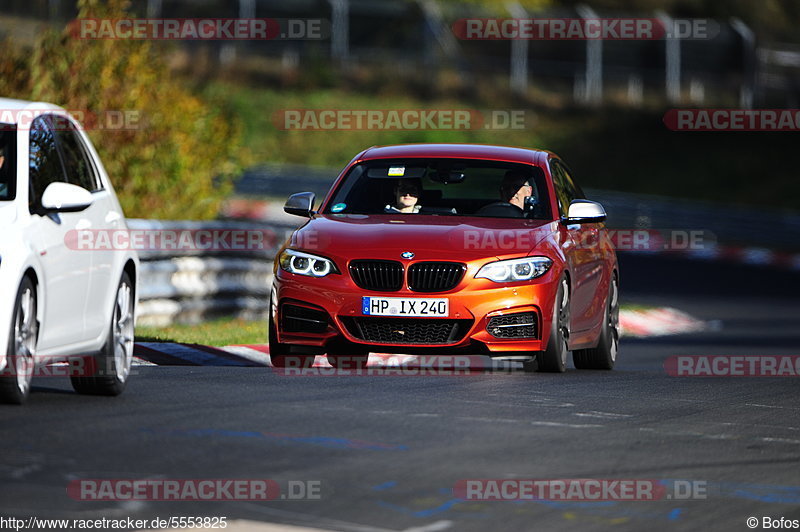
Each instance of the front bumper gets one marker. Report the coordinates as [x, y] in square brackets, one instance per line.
[315, 314]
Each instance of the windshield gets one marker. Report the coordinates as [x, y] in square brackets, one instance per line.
[7, 162]
[445, 187]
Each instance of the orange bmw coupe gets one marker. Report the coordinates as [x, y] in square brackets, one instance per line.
[448, 249]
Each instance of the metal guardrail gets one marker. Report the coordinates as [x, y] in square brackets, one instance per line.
[191, 285]
[732, 225]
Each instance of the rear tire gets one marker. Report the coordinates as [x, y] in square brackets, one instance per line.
[605, 354]
[107, 372]
[554, 358]
[15, 379]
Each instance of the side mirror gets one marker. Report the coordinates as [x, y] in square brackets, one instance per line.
[300, 204]
[64, 197]
[585, 212]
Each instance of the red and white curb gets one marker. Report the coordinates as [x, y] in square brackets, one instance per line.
[642, 323]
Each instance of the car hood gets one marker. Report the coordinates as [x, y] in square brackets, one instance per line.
[428, 237]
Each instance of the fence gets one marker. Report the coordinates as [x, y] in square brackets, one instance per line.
[414, 37]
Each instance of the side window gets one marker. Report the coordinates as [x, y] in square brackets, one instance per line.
[77, 161]
[563, 191]
[8, 162]
[566, 189]
[44, 163]
[575, 190]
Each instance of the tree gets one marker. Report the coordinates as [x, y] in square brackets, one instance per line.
[174, 154]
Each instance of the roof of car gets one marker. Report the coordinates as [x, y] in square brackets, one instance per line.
[465, 151]
[10, 109]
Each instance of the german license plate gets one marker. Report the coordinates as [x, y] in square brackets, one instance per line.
[405, 306]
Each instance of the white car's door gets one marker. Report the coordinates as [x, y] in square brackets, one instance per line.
[102, 217]
[66, 271]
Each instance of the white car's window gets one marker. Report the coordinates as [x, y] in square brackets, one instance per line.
[7, 162]
[44, 163]
[77, 162]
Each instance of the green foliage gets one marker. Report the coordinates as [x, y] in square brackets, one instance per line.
[219, 332]
[175, 156]
[612, 148]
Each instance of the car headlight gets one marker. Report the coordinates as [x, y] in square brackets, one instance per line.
[507, 271]
[306, 264]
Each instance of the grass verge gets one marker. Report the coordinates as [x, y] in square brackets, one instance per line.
[219, 332]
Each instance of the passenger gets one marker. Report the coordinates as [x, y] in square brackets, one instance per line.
[406, 193]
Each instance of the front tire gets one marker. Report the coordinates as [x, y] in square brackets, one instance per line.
[554, 358]
[107, 372]
[15, 380]
[605, 354]
[279, 354]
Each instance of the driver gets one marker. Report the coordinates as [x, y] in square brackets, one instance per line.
[406, 194]
[515, 188]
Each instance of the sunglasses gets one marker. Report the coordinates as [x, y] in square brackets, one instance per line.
[411, 191]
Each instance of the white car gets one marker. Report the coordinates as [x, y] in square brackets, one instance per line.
[59, 302]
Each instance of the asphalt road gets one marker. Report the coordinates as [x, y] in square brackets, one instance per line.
[387, 451]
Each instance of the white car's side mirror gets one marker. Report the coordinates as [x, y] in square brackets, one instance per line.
[584, 211]
[64, 197]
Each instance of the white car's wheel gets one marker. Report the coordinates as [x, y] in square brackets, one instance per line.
[109, 372]
[15, 380]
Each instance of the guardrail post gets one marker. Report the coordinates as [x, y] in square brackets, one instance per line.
[594, 61]
[749, 87]
[672, 50]
[519, 53]
[153, 8]
[340, 30]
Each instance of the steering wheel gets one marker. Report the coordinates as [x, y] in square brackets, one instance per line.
[501, 209]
